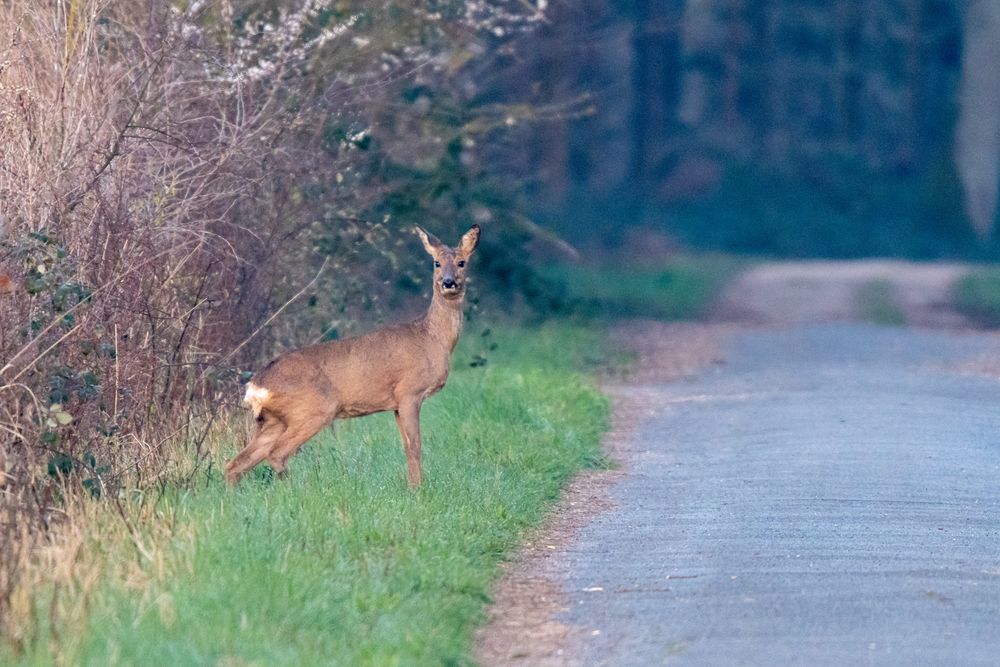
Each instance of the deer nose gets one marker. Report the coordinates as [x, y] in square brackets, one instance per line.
[448, 283]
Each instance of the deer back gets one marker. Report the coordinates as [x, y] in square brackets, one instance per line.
[356, 376]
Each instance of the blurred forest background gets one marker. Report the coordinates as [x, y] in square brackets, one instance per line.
[189, 186]
[793, 127]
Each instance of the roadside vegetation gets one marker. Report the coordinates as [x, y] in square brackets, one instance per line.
[682, 287]
[875, 302]
[340, 562]
[977, 295]
[187, 189]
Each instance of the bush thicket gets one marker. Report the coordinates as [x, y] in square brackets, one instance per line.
[188, 187]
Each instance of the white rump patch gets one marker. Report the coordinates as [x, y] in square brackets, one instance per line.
[256, 397]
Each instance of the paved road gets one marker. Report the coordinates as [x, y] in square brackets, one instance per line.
[830, 496]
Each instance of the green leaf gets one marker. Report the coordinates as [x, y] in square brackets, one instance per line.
[93, 485]
[60, 464]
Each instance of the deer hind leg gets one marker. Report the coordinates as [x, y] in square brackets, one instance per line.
[298, 433]
[408, 421]
[278, 466]
[269, 429]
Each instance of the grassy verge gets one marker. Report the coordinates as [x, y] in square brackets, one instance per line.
[977, 295]
[875, 302]
[682, 288]
[340, 563]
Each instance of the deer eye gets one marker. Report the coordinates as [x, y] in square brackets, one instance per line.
[461, 263]
[437, 264]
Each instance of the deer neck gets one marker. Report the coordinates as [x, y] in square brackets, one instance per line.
[444, 320]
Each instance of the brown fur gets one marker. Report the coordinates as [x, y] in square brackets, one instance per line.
[395, 368]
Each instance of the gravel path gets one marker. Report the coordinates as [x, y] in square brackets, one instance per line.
[786, 293]
[827, 496]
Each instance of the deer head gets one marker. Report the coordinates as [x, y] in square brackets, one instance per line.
[450, 264]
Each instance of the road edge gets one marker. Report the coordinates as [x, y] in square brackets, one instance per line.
[523, 624]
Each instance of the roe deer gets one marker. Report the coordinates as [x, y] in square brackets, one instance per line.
[394, 368]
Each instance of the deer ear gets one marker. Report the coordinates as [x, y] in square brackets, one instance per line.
[469, 242]
[431, 244]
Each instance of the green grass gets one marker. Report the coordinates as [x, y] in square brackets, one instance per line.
[341, 564]
[875, 302]
[683, 288]
[977, 295]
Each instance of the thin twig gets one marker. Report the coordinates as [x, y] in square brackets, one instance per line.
[46, 351]
[279, 311]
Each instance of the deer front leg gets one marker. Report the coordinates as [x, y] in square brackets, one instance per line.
[408, 421]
